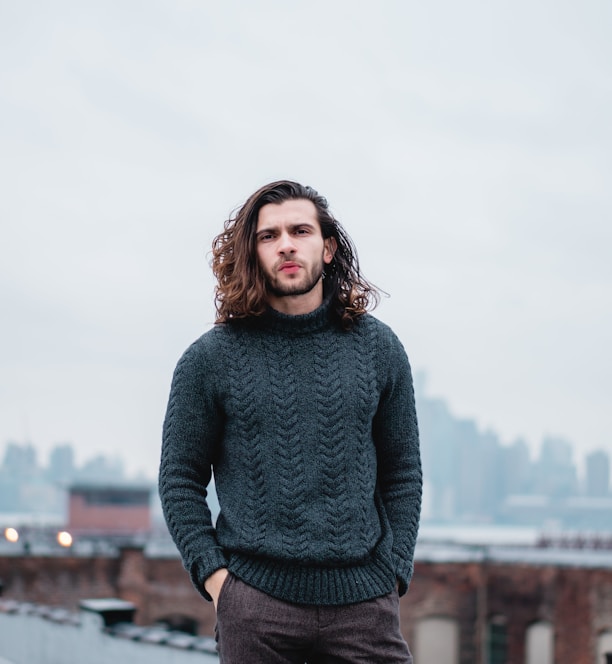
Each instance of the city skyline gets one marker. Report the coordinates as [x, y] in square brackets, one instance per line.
[471, 479]
[534, 448]
[440, 428]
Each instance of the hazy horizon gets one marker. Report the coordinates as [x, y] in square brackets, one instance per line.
[131, 470]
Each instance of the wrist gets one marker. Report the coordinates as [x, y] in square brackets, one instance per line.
[214, 583]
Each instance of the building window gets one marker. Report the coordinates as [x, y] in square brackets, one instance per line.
[437, 640]
[539, 644]
[121, 497]
[497, 640]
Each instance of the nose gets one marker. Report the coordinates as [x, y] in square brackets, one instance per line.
[286, 244]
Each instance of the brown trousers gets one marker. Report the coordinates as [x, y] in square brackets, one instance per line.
[254, 628]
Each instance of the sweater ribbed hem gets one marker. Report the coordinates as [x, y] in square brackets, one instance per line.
[404, 572]
[321, 586]
[203, 567]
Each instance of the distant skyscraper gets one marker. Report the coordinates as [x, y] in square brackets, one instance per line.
[598, 474]
[61, 464]
[555, 472]
[20, 461]
[438, 456]
[518, 468]
[470, 469]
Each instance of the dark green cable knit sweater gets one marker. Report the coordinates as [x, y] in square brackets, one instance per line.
[312, 434]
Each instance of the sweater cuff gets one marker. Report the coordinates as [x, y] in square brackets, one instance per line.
[201, 568]
[403, 572]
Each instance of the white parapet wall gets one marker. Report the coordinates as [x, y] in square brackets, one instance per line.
[41, 635]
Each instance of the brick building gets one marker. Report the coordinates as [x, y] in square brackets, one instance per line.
[106, 510]
[466, 605]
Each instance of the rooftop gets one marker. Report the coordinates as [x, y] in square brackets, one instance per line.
[101, 633]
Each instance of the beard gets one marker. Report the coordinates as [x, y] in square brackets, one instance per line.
[304, 285]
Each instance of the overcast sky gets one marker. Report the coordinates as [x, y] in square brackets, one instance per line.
[466, 147]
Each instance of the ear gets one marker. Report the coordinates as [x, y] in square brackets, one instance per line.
[329, 250]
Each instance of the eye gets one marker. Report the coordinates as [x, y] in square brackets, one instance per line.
[265, 237]
[302, 231]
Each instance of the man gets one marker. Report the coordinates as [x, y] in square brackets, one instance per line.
[302, 405]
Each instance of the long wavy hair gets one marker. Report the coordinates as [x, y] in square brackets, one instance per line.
[242, 290]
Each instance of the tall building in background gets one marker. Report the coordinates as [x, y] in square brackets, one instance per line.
[463, 469]
[517, 478]
[438, 455]
[469, 471]
[597, 482]
[494, 490]
[20, 461]
[61, 467]
[19, 477]
[554, 472]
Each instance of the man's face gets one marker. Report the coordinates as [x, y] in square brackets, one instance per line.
[292, 254]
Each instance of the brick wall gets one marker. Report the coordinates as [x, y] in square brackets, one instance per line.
[576, 601]
[83, 517]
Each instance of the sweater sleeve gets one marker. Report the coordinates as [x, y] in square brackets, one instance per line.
[399, 462]
[192, 427]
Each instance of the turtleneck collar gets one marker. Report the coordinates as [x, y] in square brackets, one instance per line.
[313, 321]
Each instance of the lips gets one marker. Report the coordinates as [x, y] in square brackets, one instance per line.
[289, 267]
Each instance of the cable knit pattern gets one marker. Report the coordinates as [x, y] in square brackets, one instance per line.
[333, 454]
[366, 386]
[284, 427]
[242, 374]
[312, 434]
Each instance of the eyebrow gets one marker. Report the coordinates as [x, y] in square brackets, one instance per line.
[292, 227]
